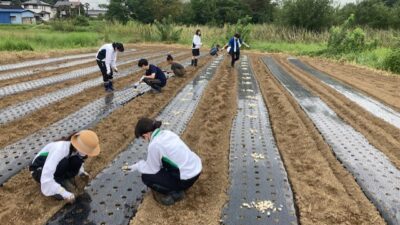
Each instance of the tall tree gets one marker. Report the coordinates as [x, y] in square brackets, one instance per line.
[310, 14]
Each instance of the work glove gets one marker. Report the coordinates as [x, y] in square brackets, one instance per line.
[131, 168]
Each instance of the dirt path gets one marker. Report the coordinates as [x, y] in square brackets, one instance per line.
[22, 202]
[325, 193]
[17, 129]
[208, 135]
[382, 135]
[382, 87]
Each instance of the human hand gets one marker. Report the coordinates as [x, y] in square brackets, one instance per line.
[70, 198]
[131, 168]
[116, 70]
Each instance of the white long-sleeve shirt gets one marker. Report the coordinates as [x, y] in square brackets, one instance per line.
[110, 57]
[166, 145]
[56, 151]
[197, 41]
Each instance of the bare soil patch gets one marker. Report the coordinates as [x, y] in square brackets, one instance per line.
[22, 202]
[208, 135]
[325, 193]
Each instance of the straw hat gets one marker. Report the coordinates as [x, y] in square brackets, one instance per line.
[86, 142]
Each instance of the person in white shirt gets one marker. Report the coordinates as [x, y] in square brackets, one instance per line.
[107, 61]
[170, 168]
[196, 44]
[59, 162]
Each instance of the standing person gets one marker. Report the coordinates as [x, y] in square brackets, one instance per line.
[106, 60]
[176, 68]
[233, 46]
[154, 76]
[59, 162]
[196, 44]
[170, 168]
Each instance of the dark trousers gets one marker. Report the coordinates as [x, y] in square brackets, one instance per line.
[235, 57]
[166, 182]
[67, 168]
[103, 69]
[153, 83]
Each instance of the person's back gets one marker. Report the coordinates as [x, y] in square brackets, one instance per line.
[178, 69]
[159, 74]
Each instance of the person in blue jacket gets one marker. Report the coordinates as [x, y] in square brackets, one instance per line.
[154, 76]
[233, 47]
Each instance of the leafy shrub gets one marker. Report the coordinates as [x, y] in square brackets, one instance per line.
[348, 38]
[392, 61]
[243, 27]
[167, 31]
[80, 21]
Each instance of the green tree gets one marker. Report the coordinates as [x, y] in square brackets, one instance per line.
[261, 11]
[373, 13]
[118, 10]
[310, 14]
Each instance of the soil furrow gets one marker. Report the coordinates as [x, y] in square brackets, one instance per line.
[325, 193]
[379, 133]
[208, 135]
[22, 201]
[17, 129]
[383, 88]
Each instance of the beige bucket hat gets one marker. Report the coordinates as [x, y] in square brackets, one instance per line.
[86, 142]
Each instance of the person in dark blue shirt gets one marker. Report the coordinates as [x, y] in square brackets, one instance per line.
[233, 47]
[154, 76]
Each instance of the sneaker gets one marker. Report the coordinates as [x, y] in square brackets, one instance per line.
[178, 195]
[163, 199]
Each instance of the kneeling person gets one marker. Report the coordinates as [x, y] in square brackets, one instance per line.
[171, 167]
[154, 76]
[59, 162]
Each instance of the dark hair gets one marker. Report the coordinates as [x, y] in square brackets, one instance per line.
[237, 35]
[143, 62]
[118, 46]
[218, 46]
[145, 125]
[197, 31]
[170, 58]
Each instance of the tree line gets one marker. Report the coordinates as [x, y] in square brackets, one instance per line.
[310, 14]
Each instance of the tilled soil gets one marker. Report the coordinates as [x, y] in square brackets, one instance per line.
[379, 133]
[15, 57]
[208, 135]
[325, 193]
[378, 84]
[44, 74]
[22, 202]
[23, 96]
[24, 126]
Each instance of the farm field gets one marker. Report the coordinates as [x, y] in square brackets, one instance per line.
[283, 139]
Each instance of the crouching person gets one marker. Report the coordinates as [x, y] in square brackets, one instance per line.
[170, 168]
[57, 164]
[154, 76]
[176, 68]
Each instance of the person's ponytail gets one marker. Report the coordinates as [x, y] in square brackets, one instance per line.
[146, 125]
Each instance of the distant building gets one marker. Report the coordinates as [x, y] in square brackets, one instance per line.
[66, 8]
[96, 12]
[16, 15]
[43, 11]
[5, 2]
